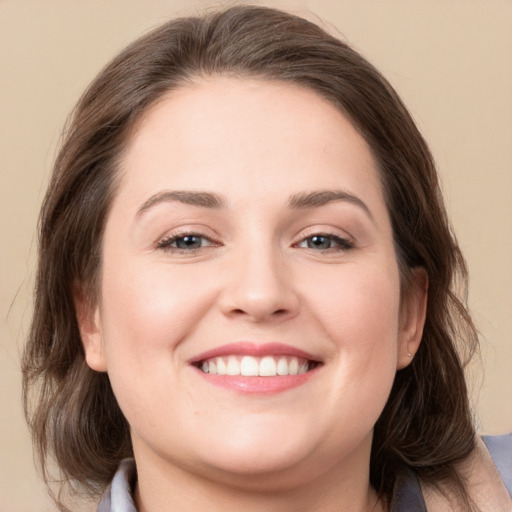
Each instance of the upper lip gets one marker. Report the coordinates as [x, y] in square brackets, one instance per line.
[253, 349]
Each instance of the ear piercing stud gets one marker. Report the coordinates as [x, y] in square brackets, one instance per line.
[409, 354]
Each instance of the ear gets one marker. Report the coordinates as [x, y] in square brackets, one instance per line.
[88, 318]
[413, 312]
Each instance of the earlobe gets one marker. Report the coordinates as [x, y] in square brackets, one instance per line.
[88, 318]
[412, 318]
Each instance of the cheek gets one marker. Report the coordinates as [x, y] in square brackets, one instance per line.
[359, 307]
[146, 312]
[149, 308]
[360, 314]
[356, 308]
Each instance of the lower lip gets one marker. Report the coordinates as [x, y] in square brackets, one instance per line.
[258, 385]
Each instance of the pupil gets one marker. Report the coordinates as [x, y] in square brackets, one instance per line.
[319, 242]
[188, 242]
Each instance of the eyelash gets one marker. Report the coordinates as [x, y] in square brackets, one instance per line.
[340, 244]
[167, 243]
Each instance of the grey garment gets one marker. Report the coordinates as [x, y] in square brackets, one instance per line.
[500, 448]
[119, 496]
[407, 497]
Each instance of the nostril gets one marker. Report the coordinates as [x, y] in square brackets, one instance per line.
[278, 312]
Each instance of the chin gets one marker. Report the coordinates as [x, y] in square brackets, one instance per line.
[257, 472]
[269, 458]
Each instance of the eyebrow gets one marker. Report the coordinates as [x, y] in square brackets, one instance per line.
[202, 199]
[299, 201]
[318, 198]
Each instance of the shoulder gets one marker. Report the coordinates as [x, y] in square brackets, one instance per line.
[486, 474]
[500, 450]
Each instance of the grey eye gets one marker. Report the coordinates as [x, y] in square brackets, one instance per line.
[185, 243]
[319, 242]
[322, 242]
[189, 242]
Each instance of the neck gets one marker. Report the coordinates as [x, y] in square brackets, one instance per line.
[163, 487]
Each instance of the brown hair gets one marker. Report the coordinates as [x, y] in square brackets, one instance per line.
[426, 424]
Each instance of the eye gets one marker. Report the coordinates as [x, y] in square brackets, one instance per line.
[186, 242]
[323, 242]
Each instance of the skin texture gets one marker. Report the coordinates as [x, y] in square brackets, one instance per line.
[254, 279]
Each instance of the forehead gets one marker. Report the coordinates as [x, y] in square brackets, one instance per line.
[247, 136]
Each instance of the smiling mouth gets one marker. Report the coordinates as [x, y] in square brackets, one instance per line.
[253, 366]
[256, 369]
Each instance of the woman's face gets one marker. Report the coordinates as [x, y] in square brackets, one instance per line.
[249, 314]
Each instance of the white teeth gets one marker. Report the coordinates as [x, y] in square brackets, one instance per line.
[221, 366]
[233, 366]
[293, 367]
[267, 367]
[282, 366]
[250, 366]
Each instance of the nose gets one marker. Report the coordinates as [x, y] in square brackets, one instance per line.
[261, 287]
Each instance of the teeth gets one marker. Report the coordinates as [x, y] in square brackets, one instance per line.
[233, 366]
[282, 366]
[267, 367]
[221, 366]
[293, 366]
[249, 366]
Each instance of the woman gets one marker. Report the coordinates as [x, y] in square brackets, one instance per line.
[248, 290]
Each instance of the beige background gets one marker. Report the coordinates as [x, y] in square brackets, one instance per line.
[450, 59]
